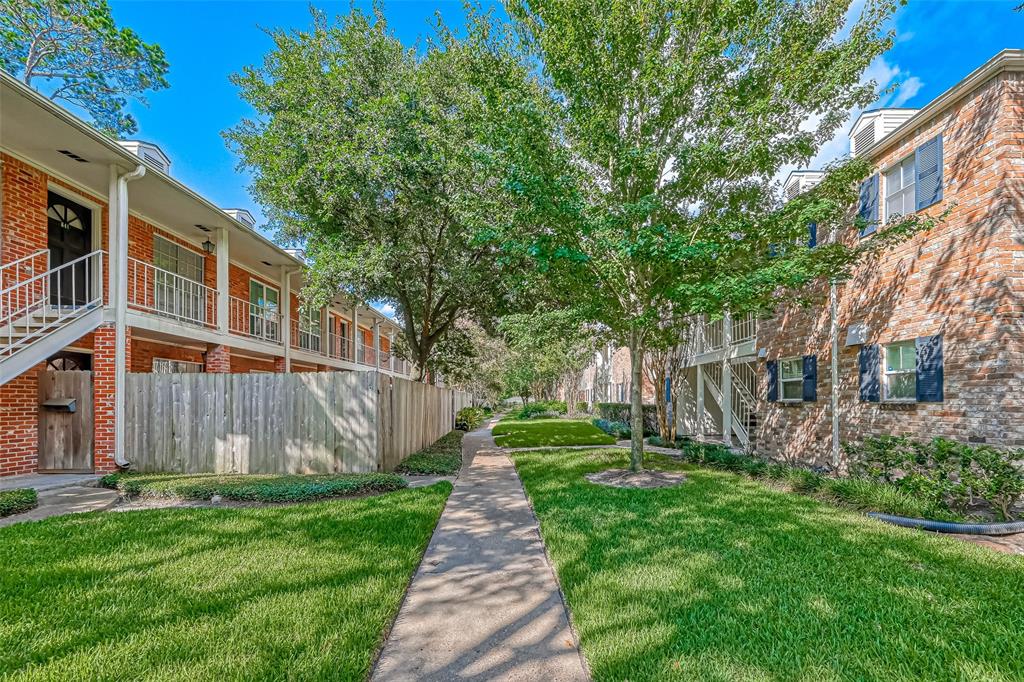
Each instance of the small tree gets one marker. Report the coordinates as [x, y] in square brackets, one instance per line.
[653, 197]
[371, 155]
[74, 47]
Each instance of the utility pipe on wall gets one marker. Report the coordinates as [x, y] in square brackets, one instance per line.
[834, 300]
[119, 289]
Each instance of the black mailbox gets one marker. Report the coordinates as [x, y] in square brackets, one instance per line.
[61, 404]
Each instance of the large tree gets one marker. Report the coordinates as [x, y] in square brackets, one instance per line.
[373, 156]
[74, 51]
[654, 197]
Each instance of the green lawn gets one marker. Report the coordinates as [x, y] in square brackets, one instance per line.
[443, 458]
[274, 593]
[515, 433]
[725, 579]
[252, 487]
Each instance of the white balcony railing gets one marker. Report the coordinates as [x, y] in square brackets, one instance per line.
[365, 354]
[744, 328]
[714, 335]
[253, 320]
[339, 347]
[169, 294]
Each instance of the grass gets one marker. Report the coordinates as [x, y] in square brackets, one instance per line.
[272, 593]
[443, 458]
[17, 501]
[514, 433]
[724, 578]
[251, 487]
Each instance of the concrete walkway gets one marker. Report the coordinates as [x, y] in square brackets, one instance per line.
[68, 500]
[484, 604]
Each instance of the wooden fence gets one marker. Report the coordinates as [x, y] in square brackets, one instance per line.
[323, 422]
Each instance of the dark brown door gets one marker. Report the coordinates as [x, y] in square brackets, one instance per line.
[69, 237]
[65, 438]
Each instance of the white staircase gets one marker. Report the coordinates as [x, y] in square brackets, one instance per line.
[744, 387]
[42, 312]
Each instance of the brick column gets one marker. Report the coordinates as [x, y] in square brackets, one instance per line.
[103, 396]
[280, 365]
[218, 359]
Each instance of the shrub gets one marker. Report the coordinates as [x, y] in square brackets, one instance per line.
[469, 418]
[251, 487]
[620, 430]
[17, 501]
[858, 493]
[443, 458]
[542, 408]
[620, 412]
[943, 472]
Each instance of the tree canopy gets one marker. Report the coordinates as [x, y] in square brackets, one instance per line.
[648, 189]
[82, 56]
[375, 157]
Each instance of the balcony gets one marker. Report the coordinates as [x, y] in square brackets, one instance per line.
[255, 321]
[167, 294]
[709, 341]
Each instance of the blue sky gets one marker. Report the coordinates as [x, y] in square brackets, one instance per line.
[938, 43]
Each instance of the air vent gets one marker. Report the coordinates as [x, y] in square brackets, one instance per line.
[864, 139]
[793, 190]
[71, 155]
[148, 152]
[872, 126]
[800, 181]
[204, 228]
[269, 265]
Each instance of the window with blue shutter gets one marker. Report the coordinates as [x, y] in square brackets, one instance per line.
[928, 182]
[812, 235]
[867, 206]
[929, 369]
[773, 380]
[870, 384]
[810, 378]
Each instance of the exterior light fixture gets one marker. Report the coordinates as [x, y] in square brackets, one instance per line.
[209, 247]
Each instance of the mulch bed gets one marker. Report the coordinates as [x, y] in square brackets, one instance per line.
[645, 478]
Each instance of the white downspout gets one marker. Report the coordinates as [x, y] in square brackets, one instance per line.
[121, 312]
[834, 300]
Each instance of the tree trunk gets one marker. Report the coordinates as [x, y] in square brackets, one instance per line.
[636, 410]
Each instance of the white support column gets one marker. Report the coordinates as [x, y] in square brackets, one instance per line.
[223, 284]
[700, 401]
[325, 320]
[727, 380]
[391, 351]
[356, 336]
[286, 315]
[376, 344]
[834, 300]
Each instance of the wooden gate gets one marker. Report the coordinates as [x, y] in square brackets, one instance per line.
[65, 437]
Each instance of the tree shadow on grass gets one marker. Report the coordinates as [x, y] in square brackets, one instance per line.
[723, 578]
[264, 593]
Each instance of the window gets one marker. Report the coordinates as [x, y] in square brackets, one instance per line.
[166, 366]
[264, 302]
[900, 374]
[309, 329]
[791, 376]
[177, 284]
[900, 194]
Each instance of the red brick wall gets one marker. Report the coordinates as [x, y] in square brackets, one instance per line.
[963, 280]
[244, 365]
[144, 351]
[19, 415]
[218, 359]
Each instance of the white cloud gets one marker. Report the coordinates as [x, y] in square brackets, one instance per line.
[906, 91]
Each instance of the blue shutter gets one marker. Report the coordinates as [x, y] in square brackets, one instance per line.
[773, 380]
[928, 162]
[867, 207]
[870, 381]
[812, 235]
[929, 369]
[810, 378]
[668, 390]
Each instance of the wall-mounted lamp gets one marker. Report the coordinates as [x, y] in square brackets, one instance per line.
[209, 247]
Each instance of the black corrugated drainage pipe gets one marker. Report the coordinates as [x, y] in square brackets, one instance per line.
[947, 527]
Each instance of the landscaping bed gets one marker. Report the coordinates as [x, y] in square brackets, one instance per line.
[280, 592]
[17, 501]
[725, 578]
[443, 458]
[263, 488]
[515, 433]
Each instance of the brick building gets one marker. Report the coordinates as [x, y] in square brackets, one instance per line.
[110, 265]
[924, 340]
